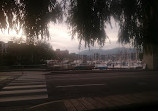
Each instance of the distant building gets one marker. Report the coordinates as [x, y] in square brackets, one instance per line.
[62, 54]
[73, 56]
[3, 48]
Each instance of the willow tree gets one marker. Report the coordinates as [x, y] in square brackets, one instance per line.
[33, 16]
[138, 19]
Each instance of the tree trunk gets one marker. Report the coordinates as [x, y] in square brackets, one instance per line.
[151, 59]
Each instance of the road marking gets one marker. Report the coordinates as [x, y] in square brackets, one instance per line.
[22, 91]
[22, 98]
[80, 85]
[27, 86]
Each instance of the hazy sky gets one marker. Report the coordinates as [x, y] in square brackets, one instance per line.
[61, 37]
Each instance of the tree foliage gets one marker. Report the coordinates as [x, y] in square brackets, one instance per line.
[87, 18]
[32, 16]
[27, 54]
[138, 19]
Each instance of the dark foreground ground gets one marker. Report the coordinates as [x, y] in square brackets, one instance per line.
[129, 89]
[143, 107]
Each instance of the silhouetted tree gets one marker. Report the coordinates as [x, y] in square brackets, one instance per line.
[28, 54]
[31, 15]
[138, 19]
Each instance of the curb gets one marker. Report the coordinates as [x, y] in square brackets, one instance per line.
[50, 106]
[91, 71]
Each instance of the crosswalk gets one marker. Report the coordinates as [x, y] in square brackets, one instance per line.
[30, 86]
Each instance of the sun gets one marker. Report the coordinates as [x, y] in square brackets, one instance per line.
[13, 33]
[6, 35]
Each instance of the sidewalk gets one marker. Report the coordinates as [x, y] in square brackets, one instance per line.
[108, 103]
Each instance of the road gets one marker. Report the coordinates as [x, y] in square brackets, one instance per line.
[75, 85]
[36, 87]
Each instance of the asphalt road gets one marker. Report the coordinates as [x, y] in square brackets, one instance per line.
[75, 85]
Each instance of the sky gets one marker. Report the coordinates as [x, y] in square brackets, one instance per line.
[60, 38]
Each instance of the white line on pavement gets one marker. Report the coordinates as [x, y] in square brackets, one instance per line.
[80, 85]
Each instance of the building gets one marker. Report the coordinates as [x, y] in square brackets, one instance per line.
[73, 56]
[3, 48]
[62, 54]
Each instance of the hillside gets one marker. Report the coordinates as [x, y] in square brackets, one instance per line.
[105, 52]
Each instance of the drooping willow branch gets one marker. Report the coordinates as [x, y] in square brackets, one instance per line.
[138, 19]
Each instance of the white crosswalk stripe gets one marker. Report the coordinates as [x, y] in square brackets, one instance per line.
[30, 86]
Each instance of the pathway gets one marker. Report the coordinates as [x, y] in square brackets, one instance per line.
[108, 103]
